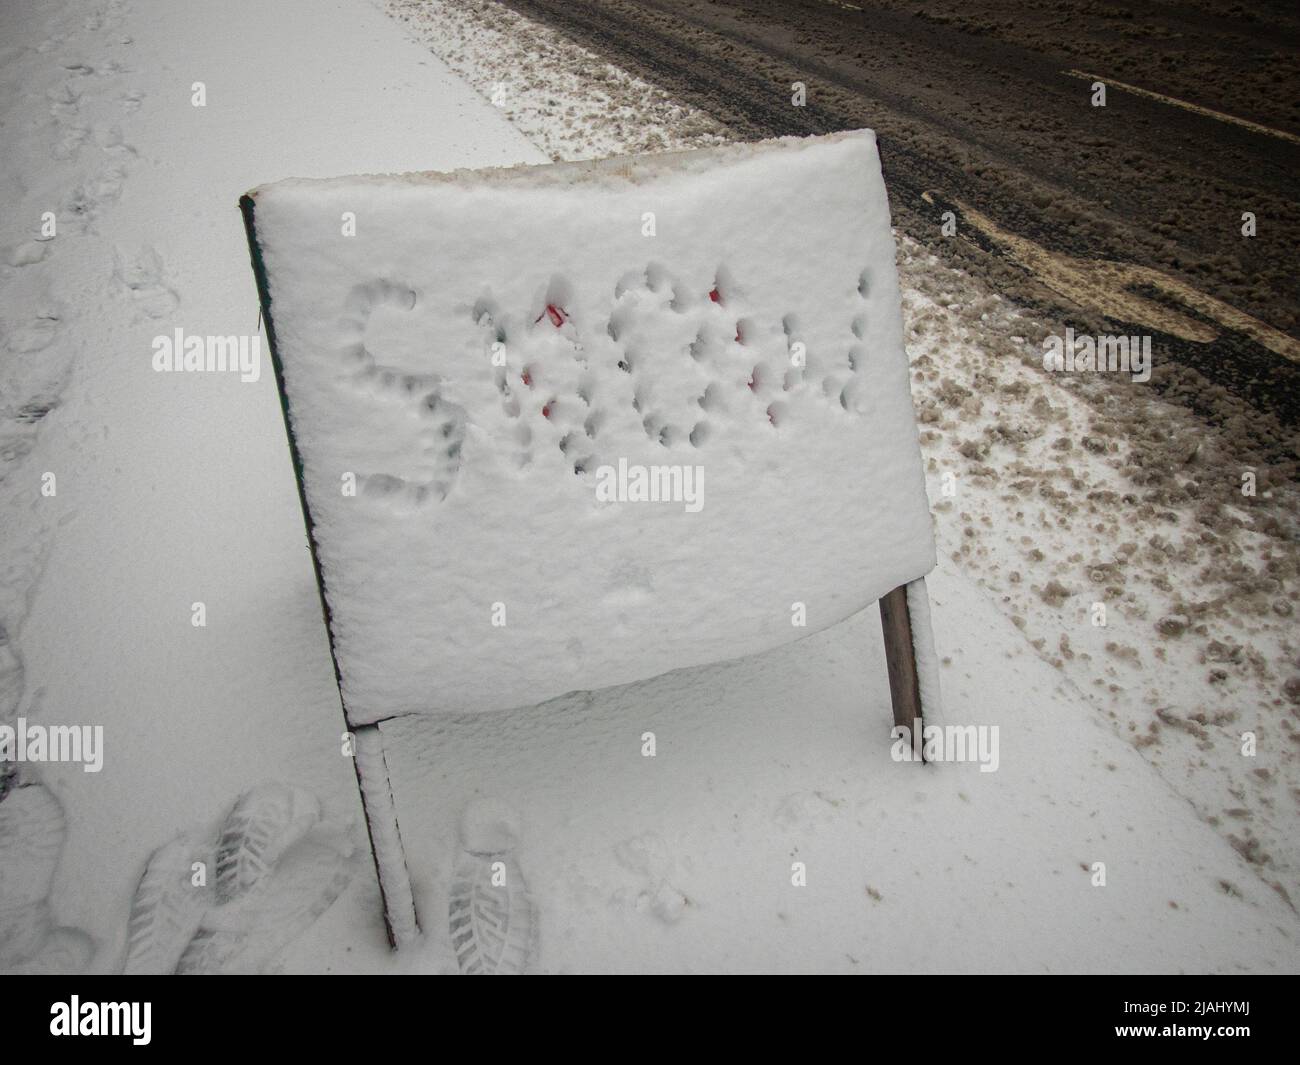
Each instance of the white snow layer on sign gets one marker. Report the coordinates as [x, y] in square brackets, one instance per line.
[496, 359]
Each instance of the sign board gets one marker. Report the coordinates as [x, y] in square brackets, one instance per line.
[563, 427]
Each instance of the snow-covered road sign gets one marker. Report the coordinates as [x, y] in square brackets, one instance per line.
[570, 426]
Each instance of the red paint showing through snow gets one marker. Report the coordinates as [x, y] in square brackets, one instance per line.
[554, 313]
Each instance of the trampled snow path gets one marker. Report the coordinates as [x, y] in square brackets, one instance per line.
[1056, 494]
[176, 488]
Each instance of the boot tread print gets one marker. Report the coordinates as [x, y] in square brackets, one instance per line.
[168, 906]
[247, 933]
[278, 867]
[491, 916]
[264, 823]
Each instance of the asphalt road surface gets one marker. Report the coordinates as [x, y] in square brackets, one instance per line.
[1123, 218]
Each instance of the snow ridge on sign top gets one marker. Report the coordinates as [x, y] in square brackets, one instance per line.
[485, 372]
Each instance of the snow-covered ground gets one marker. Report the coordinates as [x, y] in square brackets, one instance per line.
[176, 489]
[1054, 493]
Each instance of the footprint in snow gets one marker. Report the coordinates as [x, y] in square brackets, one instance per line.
[31, 840]
[28, 253]
[37, 333]
[648, 857]
[491, 917]
[145, 278]
[234, 903]
[11, 688]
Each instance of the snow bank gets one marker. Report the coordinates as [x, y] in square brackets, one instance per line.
[483, 369]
